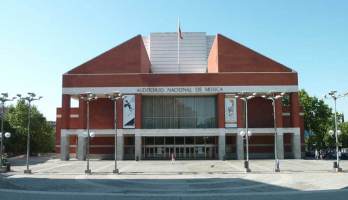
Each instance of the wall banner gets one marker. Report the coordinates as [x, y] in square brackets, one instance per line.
[129, 111]
[230, 112]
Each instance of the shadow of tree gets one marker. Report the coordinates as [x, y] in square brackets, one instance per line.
[21, 160]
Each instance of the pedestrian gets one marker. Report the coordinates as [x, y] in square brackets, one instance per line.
[316, 154]
[173, 158]
[320, 154]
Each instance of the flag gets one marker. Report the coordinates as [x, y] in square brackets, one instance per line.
[179, 38]
[179, 31]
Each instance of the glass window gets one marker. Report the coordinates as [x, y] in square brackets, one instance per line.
[149, 140]
[159, 140]
[189, 140]
[210, 140]
[179, 140]
[128, 140]
[179, 112]
[169, 140]
[200, 140]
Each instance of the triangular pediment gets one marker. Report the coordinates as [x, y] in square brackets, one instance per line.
[227, 55]
[128, 57]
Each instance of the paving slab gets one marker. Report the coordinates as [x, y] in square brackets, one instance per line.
[189, 179]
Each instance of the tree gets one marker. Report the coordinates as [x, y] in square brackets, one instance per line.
[317, 120]
[344, 136]
[42, 134]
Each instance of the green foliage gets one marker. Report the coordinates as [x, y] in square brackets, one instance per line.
[42, 134]
[286, 100]
[318, 120]
[344, 136]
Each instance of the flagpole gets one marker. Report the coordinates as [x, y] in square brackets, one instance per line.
[178, 38]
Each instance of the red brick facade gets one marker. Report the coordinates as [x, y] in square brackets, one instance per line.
[229, 64]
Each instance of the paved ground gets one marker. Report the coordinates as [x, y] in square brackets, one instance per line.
[55, 179]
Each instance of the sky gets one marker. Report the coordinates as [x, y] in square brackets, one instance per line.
[41, 40]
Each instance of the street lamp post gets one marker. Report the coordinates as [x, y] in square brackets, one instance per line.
[3, 98]
[335, 96]
[114, 97]
[247, 133]
[273, 97]
[30, 98]
[88, 97]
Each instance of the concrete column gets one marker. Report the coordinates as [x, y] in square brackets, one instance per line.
[239, 147]
[222, 145]
[280, 145]
[119, 146]
[297, 138]
[296, 144]
[81, 147]
[64, 146]
[137, 146]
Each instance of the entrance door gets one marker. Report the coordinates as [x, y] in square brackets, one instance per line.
[200, 153]
[169, 152]
[189, 152]
[179, 153]
[208, 153]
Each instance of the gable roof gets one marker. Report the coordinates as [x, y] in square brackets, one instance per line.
[128, 57]
[227, 55]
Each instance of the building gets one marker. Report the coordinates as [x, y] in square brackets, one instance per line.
[52, 124]
[180, 99]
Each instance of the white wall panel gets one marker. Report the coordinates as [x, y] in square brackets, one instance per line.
[146, 41]
[194, 47]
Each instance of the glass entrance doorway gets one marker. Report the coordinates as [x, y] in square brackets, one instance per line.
[182, 148]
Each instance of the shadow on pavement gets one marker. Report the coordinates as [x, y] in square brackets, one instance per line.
[196, 188]
[199, 186]
[21, 160]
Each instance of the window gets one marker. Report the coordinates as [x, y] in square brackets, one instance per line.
[179, 112]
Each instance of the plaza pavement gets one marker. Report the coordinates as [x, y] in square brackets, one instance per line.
[213, 179]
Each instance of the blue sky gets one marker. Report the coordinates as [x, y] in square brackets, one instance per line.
[40, 40]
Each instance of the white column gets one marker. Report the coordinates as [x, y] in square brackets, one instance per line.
[296, 144]
[64, 146]
[137, 146]
[81, 147]
[222, 144]
[119, 146]
[239, 147]
[280, 145]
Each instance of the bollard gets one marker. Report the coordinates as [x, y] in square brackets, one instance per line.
[8, 166]
[246, 164]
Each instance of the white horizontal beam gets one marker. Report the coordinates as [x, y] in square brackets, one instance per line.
[179, 132]
[182, 90]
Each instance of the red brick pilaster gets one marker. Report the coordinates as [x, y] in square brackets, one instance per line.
[119, 109]
[138, 111]
[83, 114]
[240, 114]
[279, 112]
[65, 111]
[221, 110]
[295, 110]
